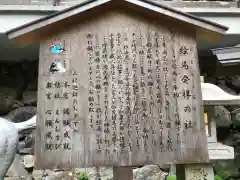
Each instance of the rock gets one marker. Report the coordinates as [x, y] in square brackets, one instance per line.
[27, 146]
[32, 85]
[17, 104]
[222, 133]
[21, 114]
[8, 145]
[106, 173]
[236, 117]
[226, 168]
[233, 139]
[7, 97]
[29, 98]
[11, 75]
[15, 178]
[220, 80]
[222, 116]
[230, 167]
[30, 140]
[17, 168]
[150, 172]
[37, 174]
[60, 175]
[210, 79]
[233, 82]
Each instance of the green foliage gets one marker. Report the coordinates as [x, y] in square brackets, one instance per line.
[171, 178]
[222, 175]
[82, 176]
[217, 177]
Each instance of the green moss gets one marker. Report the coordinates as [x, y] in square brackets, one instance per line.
[217, 177]
[171, 178]
[82, 176]
[223, 174]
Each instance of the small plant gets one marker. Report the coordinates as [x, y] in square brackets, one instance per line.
[217, 177]
[82, 176]
[171, 178]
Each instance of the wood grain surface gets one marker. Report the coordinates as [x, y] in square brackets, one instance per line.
[138, 98]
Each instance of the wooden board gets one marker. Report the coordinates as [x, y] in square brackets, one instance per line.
[122, 173]
[125, 92]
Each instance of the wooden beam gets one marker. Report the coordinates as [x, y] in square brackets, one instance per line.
[122, 173]
[180, 173]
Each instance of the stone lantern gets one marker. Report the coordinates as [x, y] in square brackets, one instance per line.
[214, 98]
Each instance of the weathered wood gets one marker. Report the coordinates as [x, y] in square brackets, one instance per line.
[138, 99]
[205, 29]
[122, 173]
[180, 171]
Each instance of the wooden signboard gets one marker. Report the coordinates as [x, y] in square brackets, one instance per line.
[119, 90]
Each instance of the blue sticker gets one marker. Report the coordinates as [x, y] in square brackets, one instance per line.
[56, 48]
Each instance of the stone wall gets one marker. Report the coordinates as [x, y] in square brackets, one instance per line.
[18, 85]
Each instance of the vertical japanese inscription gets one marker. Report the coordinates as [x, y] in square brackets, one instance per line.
[159, 96]
[91, 100]
[175, 93]
[137, 88]
[59, 117]
[75, 101]
[150, 88]
[187, 78]
[98, 88]
[132, 95]
[142, 55]
[113, 93]
[106, 90]
[127, 92]
[49, 126]
[120, 90]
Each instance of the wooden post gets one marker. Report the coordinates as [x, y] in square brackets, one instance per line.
[180, 171]
[122, 173]
[199, 171]
[196, 171]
